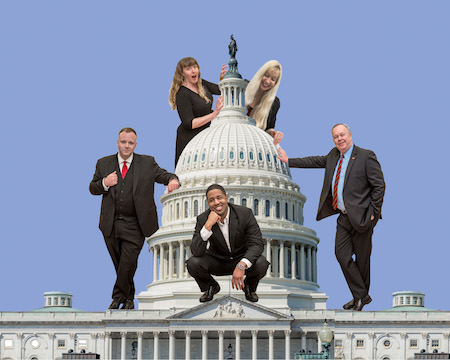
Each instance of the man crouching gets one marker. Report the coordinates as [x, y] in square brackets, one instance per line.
[227, 240]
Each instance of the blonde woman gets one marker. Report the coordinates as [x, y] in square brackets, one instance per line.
[192, 97]
[261, 100]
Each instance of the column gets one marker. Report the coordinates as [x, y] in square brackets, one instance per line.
[349, 346]
[140, 334]
[155, 263]
[314, 264]
[221, 332]
[293, 260]
[237, 335]
[171, 344]
[282, 259]
[446, 337]
[72, 342]
[123, 344]
[107, 334]
[287, 344]
[19, 345]
[254, 344]
[270, 332]
[161, 261]
[102, 336]
[319, 343]
[423, 344]
[187, 333]
[94, 340]
[181, 261]
[156, 345]
[302, 262]
[308, 263]
[51, 337]
[268, 257]
[304, 340]
[204, 344]
[402, 344]
[275, 258]
[170, 260]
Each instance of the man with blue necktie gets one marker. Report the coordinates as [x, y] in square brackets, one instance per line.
[354, 188]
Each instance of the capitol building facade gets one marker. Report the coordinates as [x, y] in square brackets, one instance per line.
[170, 323]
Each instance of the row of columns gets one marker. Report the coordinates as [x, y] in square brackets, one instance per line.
[233, 95]
[303, 260]
[237, 348]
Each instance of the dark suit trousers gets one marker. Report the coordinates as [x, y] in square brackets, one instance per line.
[350, 242]
[124, 246]
[202, 267]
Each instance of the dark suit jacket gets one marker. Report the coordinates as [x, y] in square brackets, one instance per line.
[245, 236]
[145, 173]
[363, 185]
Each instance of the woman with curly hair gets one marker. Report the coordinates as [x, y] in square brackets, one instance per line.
[261, 100]
[192, 97]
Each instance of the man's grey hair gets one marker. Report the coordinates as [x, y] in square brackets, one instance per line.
[344, 125]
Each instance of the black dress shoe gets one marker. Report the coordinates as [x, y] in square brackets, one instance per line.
[208, 295]
[128, 305]
[359, 304]
[350, 305]
[115, 304]
[250, 295]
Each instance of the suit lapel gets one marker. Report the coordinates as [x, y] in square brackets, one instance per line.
[329, 174]
[234, 222]
[350, 163]
[114, 167]
[218, 234]
[136, 169]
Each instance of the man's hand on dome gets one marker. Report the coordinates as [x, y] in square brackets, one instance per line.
[173, 185]
[284, 158]
[213, 218]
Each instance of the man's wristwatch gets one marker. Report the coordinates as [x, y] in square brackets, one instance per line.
[240, 266]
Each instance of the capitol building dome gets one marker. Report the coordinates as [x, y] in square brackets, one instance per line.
[236, 154]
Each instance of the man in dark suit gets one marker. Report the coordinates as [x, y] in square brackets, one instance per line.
[128, 214]
[227, 240]
[353, 188]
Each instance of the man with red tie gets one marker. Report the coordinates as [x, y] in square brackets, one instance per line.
[353, 187]
[126, 181]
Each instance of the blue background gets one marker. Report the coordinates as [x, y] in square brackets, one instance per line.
[72, 73]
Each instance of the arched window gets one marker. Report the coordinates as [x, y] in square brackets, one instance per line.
[277, 210]
[255, 207]
[267, 208]
[231, 200]
[293, 212]
[244, 202]
[185, 209]
[178, 211]
[286, 211]
[196, 208]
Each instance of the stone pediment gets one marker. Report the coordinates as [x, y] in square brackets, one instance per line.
[230, 308]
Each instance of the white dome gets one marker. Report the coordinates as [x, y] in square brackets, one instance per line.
[230, 144]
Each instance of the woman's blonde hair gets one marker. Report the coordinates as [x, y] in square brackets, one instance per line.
[261, 111]
[178, 79]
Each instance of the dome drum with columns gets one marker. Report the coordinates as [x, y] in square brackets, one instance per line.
[236, 154]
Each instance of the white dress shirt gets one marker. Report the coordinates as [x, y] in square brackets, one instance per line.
[224, 227]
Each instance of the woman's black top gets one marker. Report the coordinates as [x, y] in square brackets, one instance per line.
[190, 106]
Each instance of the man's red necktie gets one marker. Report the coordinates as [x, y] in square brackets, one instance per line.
[125, 169]
[336, 183]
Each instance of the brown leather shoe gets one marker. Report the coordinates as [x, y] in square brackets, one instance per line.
[350, 305]
[250, 295]
[128, 305]
[115, 304]
[359, 304]
[208, 295]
